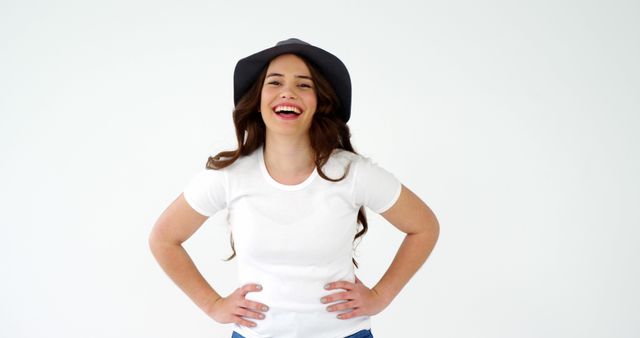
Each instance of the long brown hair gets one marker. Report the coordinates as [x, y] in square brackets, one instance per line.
[326, 133]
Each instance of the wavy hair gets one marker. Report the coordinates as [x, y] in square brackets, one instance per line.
[327, 132]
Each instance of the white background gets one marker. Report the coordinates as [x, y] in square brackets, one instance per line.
[517, 122]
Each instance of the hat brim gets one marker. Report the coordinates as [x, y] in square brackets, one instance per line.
[248, 69]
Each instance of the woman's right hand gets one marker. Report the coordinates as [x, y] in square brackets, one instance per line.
[233, 308]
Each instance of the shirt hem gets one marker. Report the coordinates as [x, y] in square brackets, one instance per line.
[393, 201]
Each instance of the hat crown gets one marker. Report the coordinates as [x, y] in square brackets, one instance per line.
[292, 41]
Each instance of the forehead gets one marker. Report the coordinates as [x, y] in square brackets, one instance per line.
[289, 63]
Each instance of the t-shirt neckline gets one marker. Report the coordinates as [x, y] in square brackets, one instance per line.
[288, 187]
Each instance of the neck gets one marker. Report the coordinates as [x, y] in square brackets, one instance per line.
[288, 155]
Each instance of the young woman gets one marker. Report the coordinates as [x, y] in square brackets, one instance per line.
[295, 190]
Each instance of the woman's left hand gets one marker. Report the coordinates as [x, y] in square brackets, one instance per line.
[359, 299]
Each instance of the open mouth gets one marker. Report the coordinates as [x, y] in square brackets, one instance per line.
[287, 111]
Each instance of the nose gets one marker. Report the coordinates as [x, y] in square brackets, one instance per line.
[287, 93]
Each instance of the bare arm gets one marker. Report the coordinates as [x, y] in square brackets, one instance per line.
[412, 216]
[174, 226]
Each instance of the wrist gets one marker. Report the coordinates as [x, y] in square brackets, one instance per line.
[383, 295]
[209, 304]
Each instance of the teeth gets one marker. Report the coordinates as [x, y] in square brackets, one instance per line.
[287, 108]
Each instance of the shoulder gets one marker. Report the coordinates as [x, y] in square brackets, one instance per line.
[342, 155]
[339, 161]
[243, 163]
[356, 160]
[206, 178]
[353, 164]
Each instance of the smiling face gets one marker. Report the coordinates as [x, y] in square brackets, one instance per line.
[288, 99]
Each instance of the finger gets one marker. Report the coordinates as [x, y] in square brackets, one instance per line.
[247, 313]
[250, 288]
[349, 314]
[240, 321]
[340, 285]
[342, 306]
[337, 296]
[254, 305]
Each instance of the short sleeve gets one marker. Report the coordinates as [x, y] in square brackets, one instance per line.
[206, 192]
[375, 187]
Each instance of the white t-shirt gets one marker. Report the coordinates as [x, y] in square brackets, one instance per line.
[294, 239]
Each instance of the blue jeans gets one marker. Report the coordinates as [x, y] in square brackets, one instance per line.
[359, 334]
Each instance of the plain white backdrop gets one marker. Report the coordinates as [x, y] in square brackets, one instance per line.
[517, 122]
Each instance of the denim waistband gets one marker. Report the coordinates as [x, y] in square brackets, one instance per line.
[359, 334]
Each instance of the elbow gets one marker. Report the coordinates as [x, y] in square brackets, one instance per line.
[433, 227]
[435, 230]
[153, 241]
[430, 230]
[159, 240]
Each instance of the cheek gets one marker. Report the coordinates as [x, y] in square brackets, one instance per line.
[311, 100]
[267, 97]
[264, 101]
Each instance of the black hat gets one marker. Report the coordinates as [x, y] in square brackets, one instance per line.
[248, 69]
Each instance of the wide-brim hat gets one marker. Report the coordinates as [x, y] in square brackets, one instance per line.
[248, 69]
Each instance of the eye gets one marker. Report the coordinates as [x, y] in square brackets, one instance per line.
[274, 82]
[305, 85]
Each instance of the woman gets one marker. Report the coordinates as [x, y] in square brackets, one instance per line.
[293, 231]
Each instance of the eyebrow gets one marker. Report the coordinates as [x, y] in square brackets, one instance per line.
[298, 76]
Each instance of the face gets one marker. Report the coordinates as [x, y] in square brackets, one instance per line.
[288, 99]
